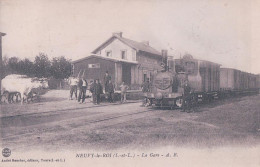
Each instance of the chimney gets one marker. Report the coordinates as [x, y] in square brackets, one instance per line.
[119, 34]
[146, 43]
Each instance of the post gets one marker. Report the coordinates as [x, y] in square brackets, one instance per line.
[1, 61]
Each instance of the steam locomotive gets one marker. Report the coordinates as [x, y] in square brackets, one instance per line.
[207, 81]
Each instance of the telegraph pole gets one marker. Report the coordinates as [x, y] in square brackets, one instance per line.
[1, 60]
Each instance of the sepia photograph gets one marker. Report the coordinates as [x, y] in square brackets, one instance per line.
[129, 83]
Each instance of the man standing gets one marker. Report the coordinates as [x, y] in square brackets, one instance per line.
[186, 106]
[99, 91]
[73, 87]
[145, 88]
[110, 90]
[82, 90]
[93, 91]
[123, 88]
[107, 78]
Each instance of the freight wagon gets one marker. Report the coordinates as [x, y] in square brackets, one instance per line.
[233, 82]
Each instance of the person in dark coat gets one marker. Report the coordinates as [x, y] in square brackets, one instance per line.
[99, 91]
[110, 90]
[107, 78]
[93, 91]
[80, 89]
[96, 89]
[186, 106]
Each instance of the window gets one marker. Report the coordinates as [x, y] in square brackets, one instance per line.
[109, 53]
[123, 54]
[190, 67]
[145, 77]
[179, 68]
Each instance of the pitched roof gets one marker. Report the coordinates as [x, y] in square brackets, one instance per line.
[105, 58]
[139, 46]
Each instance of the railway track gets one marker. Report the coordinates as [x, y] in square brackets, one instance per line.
[84, 123]
[30, 139]
[60, 110]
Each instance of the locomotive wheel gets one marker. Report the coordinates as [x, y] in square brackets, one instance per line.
[179, 102]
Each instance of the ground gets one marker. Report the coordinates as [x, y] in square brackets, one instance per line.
[56, 123]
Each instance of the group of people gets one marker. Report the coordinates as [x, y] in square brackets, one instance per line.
[80, 84]
[96, 89]
[110, 89]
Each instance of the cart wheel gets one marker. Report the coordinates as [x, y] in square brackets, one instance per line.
[179, 102]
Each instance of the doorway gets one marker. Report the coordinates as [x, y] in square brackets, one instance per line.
[126, 73]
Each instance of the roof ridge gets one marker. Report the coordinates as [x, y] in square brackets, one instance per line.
[133, 44]
[127, 40]
[137, 42]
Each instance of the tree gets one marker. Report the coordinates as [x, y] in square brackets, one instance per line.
[6, 67]
[42, 66]
[61, 68]
[13, 65]
[26, 67]
[58, 68]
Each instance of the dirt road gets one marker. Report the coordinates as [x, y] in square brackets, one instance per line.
[56, 123]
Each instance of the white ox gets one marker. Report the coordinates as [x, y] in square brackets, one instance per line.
[25, 86]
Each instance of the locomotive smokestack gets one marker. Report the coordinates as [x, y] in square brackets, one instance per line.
[164, 59]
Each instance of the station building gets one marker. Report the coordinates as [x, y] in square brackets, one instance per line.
[125, 60]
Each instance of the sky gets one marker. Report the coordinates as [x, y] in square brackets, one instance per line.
[222, 31]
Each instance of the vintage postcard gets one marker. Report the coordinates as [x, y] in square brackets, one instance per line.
[129, 83]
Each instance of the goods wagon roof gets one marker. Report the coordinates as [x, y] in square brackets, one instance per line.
[206, 61]
[226, 68]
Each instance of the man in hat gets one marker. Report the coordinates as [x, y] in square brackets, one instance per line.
[186, 106]
[93, 91]
[96, 89]
[107, 77]
[82, 90]
[110, 90]
[99, 91]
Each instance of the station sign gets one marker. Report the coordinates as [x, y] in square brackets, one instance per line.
[94, 65]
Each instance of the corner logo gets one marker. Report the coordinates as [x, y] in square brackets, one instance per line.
[6, 152]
